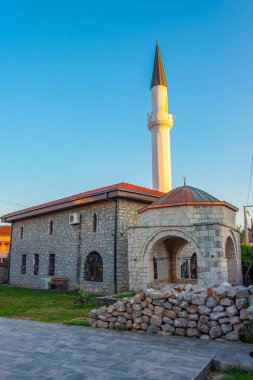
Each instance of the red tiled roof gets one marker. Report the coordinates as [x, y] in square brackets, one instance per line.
[119, 186]
[187, 195]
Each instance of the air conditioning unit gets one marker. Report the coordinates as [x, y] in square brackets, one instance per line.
[74, 218]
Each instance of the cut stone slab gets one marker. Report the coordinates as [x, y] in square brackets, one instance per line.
[57, 351]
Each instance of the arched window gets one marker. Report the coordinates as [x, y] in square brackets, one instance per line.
[185, 269]
[189, 268]
[94, 222]
[21, 232]
[50, 227]
[93, 267]
[155, 268]
[193, 267]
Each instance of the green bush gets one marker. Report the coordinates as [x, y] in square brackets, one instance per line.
[247, 255]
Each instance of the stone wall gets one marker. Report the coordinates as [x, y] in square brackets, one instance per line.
[206, 228]
[72, 243]
[186, 310]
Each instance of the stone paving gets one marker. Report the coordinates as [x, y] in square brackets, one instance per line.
[35, 350]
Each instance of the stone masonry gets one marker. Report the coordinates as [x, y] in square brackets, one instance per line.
[204, 230]
[186, 310]
[72, 243]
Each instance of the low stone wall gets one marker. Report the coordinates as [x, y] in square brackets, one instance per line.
[186, 310]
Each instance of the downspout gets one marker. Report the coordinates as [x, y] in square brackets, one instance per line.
[115, 246]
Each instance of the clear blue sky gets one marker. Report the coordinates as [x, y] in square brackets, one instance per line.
[74, 95]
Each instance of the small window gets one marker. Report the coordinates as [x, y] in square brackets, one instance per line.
[93, 267]
[5, 260]
[185, 269]
[36, 264]
[50, 227]
[94, 222]
[155, 268]
[21, 232]
[23, 264]
[193, 266]
[51, 267]
[189, 268]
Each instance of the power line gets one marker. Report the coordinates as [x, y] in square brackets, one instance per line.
[14, 204]
[250, 178]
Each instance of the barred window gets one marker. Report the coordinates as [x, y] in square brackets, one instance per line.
[94, 222]
[36, 264]
[155, 268]
[189, 268]
[23, 264]
[93, 267]
[50, 227]
[21, 232]
[193, 266]
[51, 267]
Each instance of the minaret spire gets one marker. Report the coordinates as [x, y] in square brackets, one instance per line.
[158, 77]
[160, 121]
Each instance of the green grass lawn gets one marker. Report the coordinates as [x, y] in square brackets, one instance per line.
[237, 373]
[44, 305]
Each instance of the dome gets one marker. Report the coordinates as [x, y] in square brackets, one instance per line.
[185, 194]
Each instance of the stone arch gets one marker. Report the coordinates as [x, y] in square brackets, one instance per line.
[93, 267]
[230, 255]
[168, 247]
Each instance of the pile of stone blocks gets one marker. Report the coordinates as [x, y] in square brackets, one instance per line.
[186, 310]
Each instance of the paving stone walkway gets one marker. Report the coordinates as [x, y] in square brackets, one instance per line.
[35, 350]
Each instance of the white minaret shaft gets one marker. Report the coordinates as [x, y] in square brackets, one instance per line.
[160, 121]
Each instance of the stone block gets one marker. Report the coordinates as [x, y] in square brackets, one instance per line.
[226, 301]
[192, 332]
[235, 319]
[204, 319]
[170, 313]
[218, 308]
[147, 311]
[242, 293]
[241, 303]
[232, 336]
[168, 320]
[226, 327]
[167, 305]
[211, 302]
[155, 320]
[204, 310]
[180, 331]
[231, 311]
[158, 302]
[192, 309]
[102, 324]
[168, 328]
[215, 332]
[159, 311]
[244, 314]
[152, 329]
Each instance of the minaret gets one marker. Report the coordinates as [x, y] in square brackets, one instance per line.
[160, 121]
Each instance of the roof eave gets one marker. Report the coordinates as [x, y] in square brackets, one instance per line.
[220, 203]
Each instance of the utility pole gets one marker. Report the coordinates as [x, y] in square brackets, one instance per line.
[246, 212]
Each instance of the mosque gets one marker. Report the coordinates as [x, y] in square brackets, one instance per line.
[125, 236]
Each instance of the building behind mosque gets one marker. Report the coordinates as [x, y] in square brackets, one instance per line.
[125, 236]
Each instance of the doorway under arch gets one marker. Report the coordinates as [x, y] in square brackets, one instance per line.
[230, 256]
[173, 259]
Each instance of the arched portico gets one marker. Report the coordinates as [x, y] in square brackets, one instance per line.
[171, 256]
